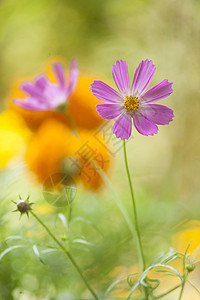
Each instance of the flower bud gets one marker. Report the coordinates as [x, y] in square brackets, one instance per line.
[23, 206]
[190, 267]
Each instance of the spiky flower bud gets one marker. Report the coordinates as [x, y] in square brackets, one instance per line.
[23, 206]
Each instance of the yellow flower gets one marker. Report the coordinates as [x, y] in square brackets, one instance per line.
[191, 232]
[122, 289]
[13, 136]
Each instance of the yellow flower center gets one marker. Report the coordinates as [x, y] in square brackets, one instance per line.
[131, 103]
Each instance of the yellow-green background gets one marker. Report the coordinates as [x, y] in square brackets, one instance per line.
[165, 168]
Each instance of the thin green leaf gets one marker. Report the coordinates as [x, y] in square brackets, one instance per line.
[185, 256]
[195, 253]
[142, 282]
[157, 258]
[172, 258]
[49, 250]
[11, 249]
[144, 275]
[157, 281]
[118, 281]
[81, 241]
[173, 269]
[146, 284]
[19, 237]
[63, 220]
[130, 281]
[194, 287]
[168, 292]
[136, 285]
[78, 236]
[188, 247]
[161, 258]
[167, 272]
[169, 255]
[37, 253]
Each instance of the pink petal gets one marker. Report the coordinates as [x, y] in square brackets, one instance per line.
[45, 95]
[142, 77]
[105, 93]
[31, 104]
[54, 95]
[121, 78]
[122, 127]
[73, 77]
[109, 111]
[32, 90]
[41, 82]
[143, 124]
[60, 74]
[159, 91]
[159, 114]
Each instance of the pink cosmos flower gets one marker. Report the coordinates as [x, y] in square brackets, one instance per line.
[134, 102]
[46, 95]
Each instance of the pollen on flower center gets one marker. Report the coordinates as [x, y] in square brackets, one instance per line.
[131, 103]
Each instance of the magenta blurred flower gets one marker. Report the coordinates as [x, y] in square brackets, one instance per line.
[46, 95]
[133, 102]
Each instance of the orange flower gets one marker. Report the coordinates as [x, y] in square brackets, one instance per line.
[89, 154]
[82, 105]
[49, 146]
[54, 150]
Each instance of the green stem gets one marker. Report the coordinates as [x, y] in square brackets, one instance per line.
[181, 293]
[184, 279]
[67, 253]
[140, 249]
[139, 242]
[166, 293]
[185, 272]
[72, 124]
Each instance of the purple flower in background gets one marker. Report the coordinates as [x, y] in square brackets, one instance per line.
[133, 102]
[46, 95]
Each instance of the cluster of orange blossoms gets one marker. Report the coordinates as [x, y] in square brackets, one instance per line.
[57, 142]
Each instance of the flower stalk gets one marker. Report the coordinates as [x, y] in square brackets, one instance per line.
[185, 272]
[140, 248]
[67, 253]
[182, 287]
[137, 231]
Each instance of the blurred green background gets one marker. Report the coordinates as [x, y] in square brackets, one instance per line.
[165, 168]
